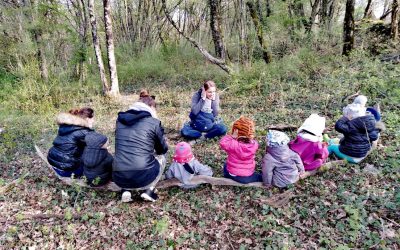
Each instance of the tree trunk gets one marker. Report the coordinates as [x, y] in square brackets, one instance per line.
[37, 36]
[314, 12]
[158, 24]
[331, 16]
[97, 49]
[348, 28]
[83, 27]
[395, 20]
[243, 36]
[215, 25]
[41, 55]
[114, 91]
[268, 8]
[368, 10]
[260, 33]
[324, 12]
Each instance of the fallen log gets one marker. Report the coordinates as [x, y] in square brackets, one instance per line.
[196, 180]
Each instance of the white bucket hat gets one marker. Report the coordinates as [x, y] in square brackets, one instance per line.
[361, 99]
[314, 124]
[354, 111]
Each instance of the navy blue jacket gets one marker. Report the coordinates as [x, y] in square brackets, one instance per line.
[137, 136]
[97, 162]
[359, 134]
[69, 144]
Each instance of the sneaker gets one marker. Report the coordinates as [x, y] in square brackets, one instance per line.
[149, 195]
[126, 196]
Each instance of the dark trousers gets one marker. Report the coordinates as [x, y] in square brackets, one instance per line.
[255, 177]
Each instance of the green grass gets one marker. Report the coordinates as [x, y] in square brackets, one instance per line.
[340, 209]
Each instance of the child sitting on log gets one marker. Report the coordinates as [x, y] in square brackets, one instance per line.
[280, 166]
[359, 131]
[241, 149]
[362, 101]
[97, 161]
[308, 143]
[185, 166]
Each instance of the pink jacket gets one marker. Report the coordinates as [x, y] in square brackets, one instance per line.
[241, 155]
[313, 154]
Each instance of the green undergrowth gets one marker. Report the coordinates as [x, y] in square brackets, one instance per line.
[344, 208]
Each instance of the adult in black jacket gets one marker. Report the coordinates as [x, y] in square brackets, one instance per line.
[68, 146]
[359, 132]
[97, 161]
[138, 137]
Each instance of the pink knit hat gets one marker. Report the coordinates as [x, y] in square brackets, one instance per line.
[183, 152]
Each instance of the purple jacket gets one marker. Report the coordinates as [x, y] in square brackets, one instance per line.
[313, 154]
[281, 166]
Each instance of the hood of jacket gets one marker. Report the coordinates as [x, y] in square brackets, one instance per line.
[131, 116]
[364, 123]
[280, 153]
[68, 119]
[69, 123]
[140, 106]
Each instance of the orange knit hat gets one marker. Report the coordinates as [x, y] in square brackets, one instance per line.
[245, 127]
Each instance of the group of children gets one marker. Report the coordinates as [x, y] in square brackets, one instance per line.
[285, 161]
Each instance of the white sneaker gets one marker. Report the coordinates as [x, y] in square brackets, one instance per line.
[149, 195]
[126, 196]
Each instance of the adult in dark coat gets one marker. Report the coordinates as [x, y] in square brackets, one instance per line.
[97, 161]
[139, 136]
[68, 146]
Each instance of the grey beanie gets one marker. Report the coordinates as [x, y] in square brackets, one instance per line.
[94, 139]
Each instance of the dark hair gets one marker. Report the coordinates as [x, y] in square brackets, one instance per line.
[146, 98]
[83, 112]
[208, 84]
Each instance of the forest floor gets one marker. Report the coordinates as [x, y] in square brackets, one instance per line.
[353, 206]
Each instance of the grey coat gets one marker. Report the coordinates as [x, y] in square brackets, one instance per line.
[178, 171]
[281, 166]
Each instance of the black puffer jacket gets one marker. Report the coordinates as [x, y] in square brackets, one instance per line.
[359, 134]
[69, 144]
[97, 161]
[137, 136]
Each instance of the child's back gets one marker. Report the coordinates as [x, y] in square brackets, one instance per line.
[184, 172]
[241, 155]
[185, 166]
[308, 143]
[241, 149]
[280, 166]
[97, 162]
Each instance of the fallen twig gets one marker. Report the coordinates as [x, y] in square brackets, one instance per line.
[350, 96]
[283, 127]
[10, 185]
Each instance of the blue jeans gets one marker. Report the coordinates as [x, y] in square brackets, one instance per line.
[190, 133]
[77, 172]
[255, 177]
[334, 148]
